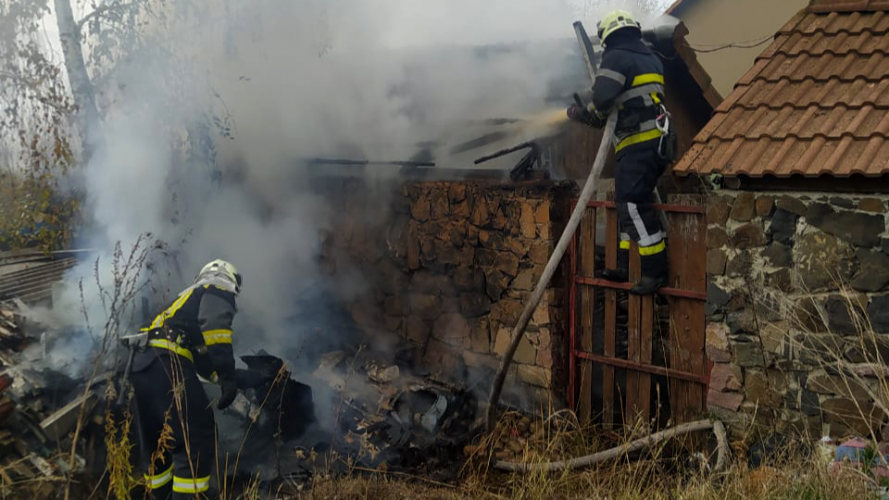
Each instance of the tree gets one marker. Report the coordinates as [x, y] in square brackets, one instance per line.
[52, 120]
[84, 94]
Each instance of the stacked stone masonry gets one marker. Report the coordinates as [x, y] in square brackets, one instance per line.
[798, 310]
[448, 266]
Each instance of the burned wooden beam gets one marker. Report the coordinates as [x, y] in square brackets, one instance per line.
[63, 420]
[364, 163]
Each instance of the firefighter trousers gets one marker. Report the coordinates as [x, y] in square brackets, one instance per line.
[635, 179]
[176, 428]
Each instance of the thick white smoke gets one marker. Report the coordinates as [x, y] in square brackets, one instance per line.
[295, 80]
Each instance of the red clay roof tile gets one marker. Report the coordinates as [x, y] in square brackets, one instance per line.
[815, 103]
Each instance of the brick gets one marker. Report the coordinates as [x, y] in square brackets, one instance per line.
[744, 207]
[545, 338]
[545, 231]
[452, 329]
[718, 209]
[716, 262]
[717, 237]
[717, 335]
[421, 209]
[540, 253]
[875, 205]
[528, 221]
[541, 315]
[726, 377]
[749, 235]
[525, 353]
[764, 206]
[481, 337]
[542, 215]
[717, 355]
[544, 357]
[728, 400]
[501, 342]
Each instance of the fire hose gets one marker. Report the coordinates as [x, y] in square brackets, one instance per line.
[518, 332]
[589, 188]
[619, 451]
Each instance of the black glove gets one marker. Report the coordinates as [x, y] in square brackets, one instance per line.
[583, 115]
[597, 120]
[229, 391]
[579, 114]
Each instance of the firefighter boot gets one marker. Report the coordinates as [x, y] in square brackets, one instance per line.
[622, 273]
[654, 274]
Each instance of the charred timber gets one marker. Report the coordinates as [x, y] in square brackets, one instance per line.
[333, 161]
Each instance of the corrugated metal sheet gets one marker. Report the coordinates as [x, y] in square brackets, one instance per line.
[29, 277]
[815, 103]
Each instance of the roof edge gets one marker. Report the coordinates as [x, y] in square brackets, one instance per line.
[830, 6]
[700, 75]
[677, 4]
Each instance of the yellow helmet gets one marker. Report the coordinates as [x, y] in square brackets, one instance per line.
[614, 21]
[223, 269]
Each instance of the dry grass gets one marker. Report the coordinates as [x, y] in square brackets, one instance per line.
[802, 480]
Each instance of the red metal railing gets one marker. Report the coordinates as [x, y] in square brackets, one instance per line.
[689, 377]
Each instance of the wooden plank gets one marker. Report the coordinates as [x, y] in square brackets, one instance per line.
[653, 369]
[587, 254]
[696, 342]
[571, 286]
[610, 319]
[665, 291]
[687, 250]
[646, 343]
[676, 250]
[634, 348]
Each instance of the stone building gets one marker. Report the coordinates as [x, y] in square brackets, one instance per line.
[798, 253]
[447, 256]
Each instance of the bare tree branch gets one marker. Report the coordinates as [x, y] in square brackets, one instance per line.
[102, 10]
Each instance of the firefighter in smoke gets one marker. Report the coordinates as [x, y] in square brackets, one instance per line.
[631, 80]
[191, 337]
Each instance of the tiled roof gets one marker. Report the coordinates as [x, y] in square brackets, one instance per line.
[815, 103]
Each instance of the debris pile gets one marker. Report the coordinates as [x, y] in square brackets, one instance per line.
[39, 407]
[373, 415]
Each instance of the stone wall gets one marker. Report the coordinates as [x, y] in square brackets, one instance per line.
[795, 279]
[449, 265]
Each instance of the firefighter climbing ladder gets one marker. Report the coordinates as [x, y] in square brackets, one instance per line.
[609, 387]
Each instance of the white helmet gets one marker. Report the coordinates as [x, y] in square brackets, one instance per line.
[220, 270]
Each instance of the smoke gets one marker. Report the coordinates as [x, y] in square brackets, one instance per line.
[207, 130]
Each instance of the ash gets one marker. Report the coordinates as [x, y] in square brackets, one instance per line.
[356, 411]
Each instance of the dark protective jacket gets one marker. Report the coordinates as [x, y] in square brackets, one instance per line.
[631, 78]
[197, 327]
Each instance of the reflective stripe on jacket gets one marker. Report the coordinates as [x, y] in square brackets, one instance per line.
[631, 79]
[197, 326]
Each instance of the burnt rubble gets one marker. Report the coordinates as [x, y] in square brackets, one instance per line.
[39, 407]
[355, 411]
[342, 411]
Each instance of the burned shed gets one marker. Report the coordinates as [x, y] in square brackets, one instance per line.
[455, 251]
[797, 245]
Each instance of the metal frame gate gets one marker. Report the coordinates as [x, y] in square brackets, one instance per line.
[681, 366]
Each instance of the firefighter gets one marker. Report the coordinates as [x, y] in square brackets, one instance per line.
[631, 79]
[191, 337]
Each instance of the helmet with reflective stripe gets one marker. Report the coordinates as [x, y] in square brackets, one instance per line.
[220, 269]
[614, 21]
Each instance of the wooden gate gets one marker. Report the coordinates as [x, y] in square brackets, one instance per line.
[637, 357]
